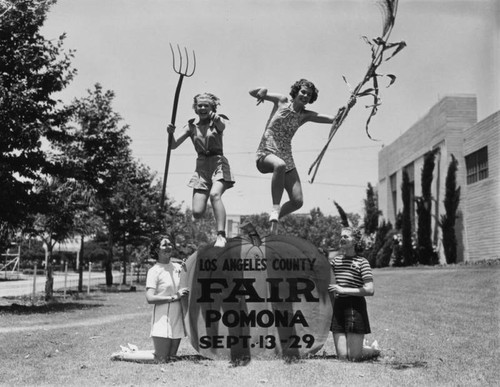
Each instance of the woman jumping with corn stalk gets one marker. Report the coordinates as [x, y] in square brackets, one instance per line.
[379, 46]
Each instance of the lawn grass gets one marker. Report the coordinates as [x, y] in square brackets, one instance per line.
[435, 326]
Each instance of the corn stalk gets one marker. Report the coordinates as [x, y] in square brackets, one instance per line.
[379, 46]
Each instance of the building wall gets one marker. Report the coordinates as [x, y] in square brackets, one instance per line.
[481, 200]
[441, 129]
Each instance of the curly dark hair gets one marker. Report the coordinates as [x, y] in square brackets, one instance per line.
[154, 245]
[294, 91]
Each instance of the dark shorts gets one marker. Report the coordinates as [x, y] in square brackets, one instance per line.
[350, 316]
[259, 162]
[260, 168]
[210, 169]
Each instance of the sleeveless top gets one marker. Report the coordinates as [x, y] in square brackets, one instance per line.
[208, 144]
[277, 137]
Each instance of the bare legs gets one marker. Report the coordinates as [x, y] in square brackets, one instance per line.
[282, 181]
[294, 190]
[200, 198]
[351, 347]
[165, 348]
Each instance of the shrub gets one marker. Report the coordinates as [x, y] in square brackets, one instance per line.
[382, 231]
[385, 254]
[447, 221]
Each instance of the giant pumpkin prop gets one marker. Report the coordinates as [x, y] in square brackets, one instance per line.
[256, 298]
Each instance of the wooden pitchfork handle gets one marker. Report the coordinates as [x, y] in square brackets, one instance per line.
[182, 73]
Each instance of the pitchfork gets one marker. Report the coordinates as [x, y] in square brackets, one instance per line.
[183, 72]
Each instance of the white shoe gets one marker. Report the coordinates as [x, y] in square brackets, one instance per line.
[274, 216]
[220, 241]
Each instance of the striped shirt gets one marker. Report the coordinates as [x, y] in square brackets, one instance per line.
[351, 272]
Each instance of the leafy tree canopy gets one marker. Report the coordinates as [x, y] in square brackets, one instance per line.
[32, 70]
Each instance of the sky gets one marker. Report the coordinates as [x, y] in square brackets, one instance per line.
[453, 47]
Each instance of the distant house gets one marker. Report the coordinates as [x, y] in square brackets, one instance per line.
[450, 127]
[233, 225]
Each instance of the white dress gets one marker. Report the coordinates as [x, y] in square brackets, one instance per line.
[168, 319]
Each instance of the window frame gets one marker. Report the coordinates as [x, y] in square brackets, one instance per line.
[476, 165]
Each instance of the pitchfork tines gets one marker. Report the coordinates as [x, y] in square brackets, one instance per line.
[178, 68]
[183, 71]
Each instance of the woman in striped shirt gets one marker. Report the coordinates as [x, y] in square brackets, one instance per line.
[353, 281]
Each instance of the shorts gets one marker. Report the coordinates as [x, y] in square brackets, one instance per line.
[350, 316]
[210, 169]
[260, 160]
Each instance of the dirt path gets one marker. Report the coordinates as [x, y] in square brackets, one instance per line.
[82, 323]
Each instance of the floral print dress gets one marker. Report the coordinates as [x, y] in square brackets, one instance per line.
[277, 138]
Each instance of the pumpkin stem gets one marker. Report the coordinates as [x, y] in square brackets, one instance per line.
[252, 233]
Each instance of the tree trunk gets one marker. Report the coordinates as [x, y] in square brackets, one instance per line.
[124, 260]
[80, 267]
[49, 283]
[109, 259]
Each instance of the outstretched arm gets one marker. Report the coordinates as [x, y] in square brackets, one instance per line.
[262, 95]
[328, 119]
[219, 121]
[181, 138]
[319, 118]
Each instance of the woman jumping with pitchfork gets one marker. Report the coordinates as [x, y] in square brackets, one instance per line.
[213, 174]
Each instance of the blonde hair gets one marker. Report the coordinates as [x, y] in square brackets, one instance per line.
[357, 236]
[213, 100]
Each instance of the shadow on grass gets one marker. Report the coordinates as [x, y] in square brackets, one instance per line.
[192, 358]
[385, 361]
[322, 357]
[45, 308]
[117, 288]
[72, 300]
[401, 366]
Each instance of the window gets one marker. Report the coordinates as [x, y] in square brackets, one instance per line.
[477, 165]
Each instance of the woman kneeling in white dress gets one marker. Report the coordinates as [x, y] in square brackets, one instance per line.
[162, 290]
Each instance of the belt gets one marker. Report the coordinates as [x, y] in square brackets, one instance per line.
[210, 153]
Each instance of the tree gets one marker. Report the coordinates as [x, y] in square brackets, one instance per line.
[99, 155]
[55, 223]
[424, 207]
[447, 221]
[322, 231]
[406, 231]
[387, 251]
[32, 70]
[136, 208]
[379, 242]
[372, 212]
[86, 221]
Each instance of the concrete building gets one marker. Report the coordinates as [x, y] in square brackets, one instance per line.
[450, 128]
